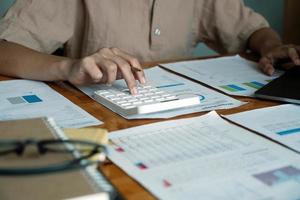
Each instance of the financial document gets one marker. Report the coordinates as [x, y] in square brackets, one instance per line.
[28, 99]
[233, 75]
[206, 158]
[281, 123]
[160, 78]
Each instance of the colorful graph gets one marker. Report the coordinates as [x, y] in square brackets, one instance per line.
[236, 88]
[280, 175]
[232, 88]
[24, 99]
[289, 131]
[254, 84]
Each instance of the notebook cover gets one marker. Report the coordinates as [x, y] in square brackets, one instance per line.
[59, 185]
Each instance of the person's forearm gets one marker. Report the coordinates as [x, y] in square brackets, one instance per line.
[19, 61]
[263, 40]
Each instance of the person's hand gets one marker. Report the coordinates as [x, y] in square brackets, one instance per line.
[105, 66]
[281, 52]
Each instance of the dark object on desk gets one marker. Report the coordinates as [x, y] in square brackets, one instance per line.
[285, 88]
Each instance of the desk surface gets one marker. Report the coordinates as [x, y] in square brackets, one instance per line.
[129, 188]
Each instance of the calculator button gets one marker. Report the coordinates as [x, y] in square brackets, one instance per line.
[128, 107]
[137, 103]
[115, 98]
[108, 95]
[149, 101]
[159, 92]
[121, 102]
[102, 92]
[160, 99]
[132, 100]
[125, 104]
[155, 97]
[171, 98]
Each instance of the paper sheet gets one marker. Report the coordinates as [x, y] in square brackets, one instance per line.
[21, 99]
[206, 158]
[233, 75]
[281, 123]
[210, 99]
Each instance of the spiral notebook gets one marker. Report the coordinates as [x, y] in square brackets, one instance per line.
[87, 183]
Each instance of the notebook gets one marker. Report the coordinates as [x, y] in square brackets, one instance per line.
[285, 88]
[61, 185]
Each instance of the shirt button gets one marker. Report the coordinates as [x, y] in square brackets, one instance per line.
[157, 31]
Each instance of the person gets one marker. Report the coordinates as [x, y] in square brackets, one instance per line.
[105, 40]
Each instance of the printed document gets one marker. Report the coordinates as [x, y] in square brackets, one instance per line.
[206, 158]
[21, 99]
[233, 75]
[210, 99]
[281, 123]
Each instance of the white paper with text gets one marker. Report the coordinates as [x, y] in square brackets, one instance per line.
[233, 75]
[21, 99]
[281, 123]
[206, 158]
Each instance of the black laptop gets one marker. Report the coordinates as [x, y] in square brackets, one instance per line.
[285, 88]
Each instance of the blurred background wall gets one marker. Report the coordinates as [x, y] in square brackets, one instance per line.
[4, 5]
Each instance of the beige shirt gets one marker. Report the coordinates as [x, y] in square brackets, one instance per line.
[147, 29]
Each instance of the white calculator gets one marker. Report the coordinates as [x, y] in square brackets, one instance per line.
[148, 100]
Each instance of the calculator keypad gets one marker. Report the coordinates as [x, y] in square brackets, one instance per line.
[146, 95]
[149, 99]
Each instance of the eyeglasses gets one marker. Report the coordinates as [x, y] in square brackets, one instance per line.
[80, 154]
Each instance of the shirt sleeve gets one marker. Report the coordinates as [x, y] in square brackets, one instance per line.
[226, 25]
[42, 25]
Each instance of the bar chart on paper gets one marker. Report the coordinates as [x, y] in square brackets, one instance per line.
[233, 75]
[32, 98]
[29, 99]
[277, 176]
[281, 123]
[252, 86]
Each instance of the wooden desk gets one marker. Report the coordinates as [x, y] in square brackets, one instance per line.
[129, 188]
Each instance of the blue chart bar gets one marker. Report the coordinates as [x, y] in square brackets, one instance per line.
[291, 131]
[237, 87]
[258, 84]
[170, 85]
[32, 98]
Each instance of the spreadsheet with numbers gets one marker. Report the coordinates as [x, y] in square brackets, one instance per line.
[184, 158]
